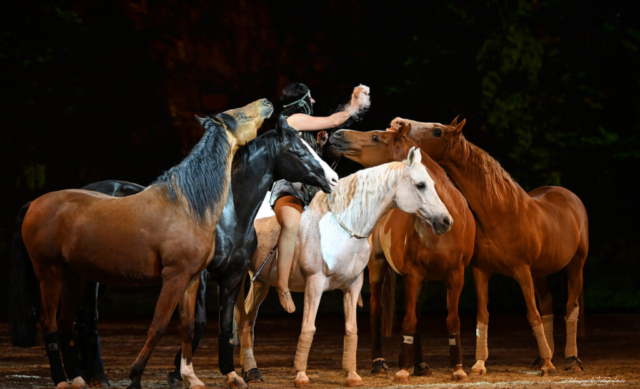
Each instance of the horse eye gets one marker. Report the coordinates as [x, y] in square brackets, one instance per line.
[242, 115]
[421, 185]
[437, 133]
[375, 138]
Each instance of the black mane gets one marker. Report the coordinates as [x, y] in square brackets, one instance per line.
[202, 174]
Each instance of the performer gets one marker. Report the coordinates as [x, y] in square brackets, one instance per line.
[289, 199]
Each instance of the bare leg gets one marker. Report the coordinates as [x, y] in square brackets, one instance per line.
[246, 314]
[481, 281]
[545, 301]
[351, 332]
[454, 287]
[407, 351]
[523, 277]
[312, 295]
[187, 324]
[377, 274]
[289, 219]
[171, 293]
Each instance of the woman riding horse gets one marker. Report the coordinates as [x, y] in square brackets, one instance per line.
[288, 199]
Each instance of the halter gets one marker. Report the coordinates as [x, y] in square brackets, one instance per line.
[353, 234]
[301, 103]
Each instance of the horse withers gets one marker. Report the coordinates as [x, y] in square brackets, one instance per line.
[405, 244]
[164, 234]
[526, 236]
[332, 251]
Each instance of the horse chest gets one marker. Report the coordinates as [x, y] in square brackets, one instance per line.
[339, 249]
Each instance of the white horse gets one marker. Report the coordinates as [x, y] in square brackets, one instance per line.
[332, 252]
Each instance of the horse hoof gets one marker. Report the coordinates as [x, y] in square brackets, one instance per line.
[100, 380]
[78, 383]
[352, 383]
[573, 364]
[547, 371]
[63, 385]
[479, 372]
[174, 380]
[422, 369]
[459, 375]
[379, 367]
[301, 383]
[237, 383]
[403, 378]
[252, 376]
[537, 364]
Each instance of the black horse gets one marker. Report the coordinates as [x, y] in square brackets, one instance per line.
[274, 155]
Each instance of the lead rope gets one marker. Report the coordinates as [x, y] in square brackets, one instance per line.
[353, 234]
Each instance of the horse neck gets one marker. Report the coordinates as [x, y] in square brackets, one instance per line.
[444, 187]
[252, 176]
[365, 196]
[488, 188]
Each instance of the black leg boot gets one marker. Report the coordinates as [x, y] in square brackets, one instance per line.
[52, 344]
[69, 355]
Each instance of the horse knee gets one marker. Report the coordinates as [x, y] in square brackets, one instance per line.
[308, 331]
[351, 329]
[453, 323]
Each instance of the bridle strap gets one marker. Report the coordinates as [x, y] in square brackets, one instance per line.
[353, 234]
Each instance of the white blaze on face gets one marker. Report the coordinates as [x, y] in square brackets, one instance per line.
[329, 174]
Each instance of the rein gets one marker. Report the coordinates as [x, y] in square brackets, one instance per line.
[353, 234]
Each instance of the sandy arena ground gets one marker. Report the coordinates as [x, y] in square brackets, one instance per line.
[610, 354]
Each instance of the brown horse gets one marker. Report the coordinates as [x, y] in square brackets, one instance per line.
[526, 236]
[165, 234]
[413, 250]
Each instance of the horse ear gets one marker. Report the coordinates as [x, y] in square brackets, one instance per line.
[455, 121]
[458, 129]
[404, 130]
[201, 120]
[414, 156]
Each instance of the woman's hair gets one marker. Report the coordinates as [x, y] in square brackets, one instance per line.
[296, 99]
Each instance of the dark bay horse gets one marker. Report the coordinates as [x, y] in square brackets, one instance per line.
[404, 244]
[164, 234]
[526, 236]
[271, 156]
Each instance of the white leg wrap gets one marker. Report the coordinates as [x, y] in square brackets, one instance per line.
[302, 352]
[571, 349]
[543, 347]
[482, 334]
[547, 323]
[350, 350]
[248, 362]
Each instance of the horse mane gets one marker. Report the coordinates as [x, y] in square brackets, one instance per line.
[364, 186]
[497, 182]
[201, 177]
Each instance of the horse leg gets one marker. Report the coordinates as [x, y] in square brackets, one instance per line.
[175, 377]
[574, 281]
[50, 278]
[454, 288]
[171, 292]
[229, 289]
[421, 367]
[246, 314]
[481, 281]
[351, 296]
[71, 286]
[545, 301]
[377, 275]
[409, 325]
[187, 324]
[523, 277]
[312, 295]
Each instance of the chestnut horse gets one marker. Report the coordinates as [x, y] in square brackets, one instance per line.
[526, 236]
[332, 251]
[165, 234]
[407, 245]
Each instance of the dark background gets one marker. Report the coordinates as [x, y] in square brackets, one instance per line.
[107, 90]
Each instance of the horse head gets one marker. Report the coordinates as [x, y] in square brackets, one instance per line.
[243, 123]
[435, 139]
[297, 162]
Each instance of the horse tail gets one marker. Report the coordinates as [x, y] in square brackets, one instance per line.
[388, 302]
[23, 301]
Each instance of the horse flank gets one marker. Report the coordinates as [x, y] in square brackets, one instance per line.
[363, 187]
[201, 177]
[497, 181]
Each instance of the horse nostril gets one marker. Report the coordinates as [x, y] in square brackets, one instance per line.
[446, 221]
[338, 134]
